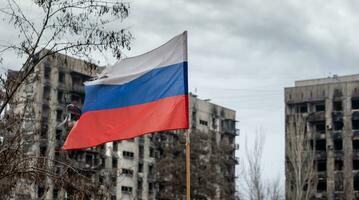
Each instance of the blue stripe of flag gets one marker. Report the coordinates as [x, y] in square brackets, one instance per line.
[157, 84]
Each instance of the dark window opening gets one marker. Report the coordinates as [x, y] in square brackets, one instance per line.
[47, 91]
[139, 185]
[88, 159]
[127, 154]
[338, 125]
[114, 162]
[338, 144]
[114, 180]
[320, 145]
[355, 164]
[355, 104]
[320, 127]
[43, 151]
[150, 169]
[55, 193]
[40, 192]
[127, 172]
[61, 77]
[113, 197]
[338, 165]
[322, 185]
[356, 145]
[59, 115]
[115, 146]
[140, 167]
[321, 165]
[337, 106]
[320, 107]
[355, 124]
[60, 96]
[302, 109]
[47, 72]
[152, 152]
[141, 151]
[58, 134]
[202, 122]
[126, 189]
[100, 180]
[356, 183]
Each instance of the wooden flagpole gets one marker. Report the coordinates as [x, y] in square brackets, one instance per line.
[188, 165]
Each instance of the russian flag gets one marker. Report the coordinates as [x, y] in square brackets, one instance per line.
[139, 95]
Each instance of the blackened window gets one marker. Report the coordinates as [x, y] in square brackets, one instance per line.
[337, 106]
[114, 162]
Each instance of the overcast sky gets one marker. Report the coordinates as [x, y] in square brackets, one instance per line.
[243, 53]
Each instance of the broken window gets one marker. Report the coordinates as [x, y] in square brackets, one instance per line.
[338, 125]
[59, 115]
[47, 73]
[356, 145]
[140, 151]
[60, 96]
[127, 172]
[152, 152]
[302, 108]
[338, 165]
[43, 150]
[338, 144]
[355, 103]
[58, 134]
[61, 77]
[322, 185]
[356, 183]
[321, 165]
[355, 124]
[337, 106]
[320, 107]
[355, 164]
[140, 167]
[128, 155]
[114, 162]
[202, 122]
[115, 146]
[320, 127]
[320, 145]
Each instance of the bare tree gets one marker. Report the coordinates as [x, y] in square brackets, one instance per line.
[253, 186]
[78, 27]
[300, 156]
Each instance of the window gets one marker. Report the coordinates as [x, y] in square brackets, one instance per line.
[355, 164]
[322, 185]
[338, 165]
[47, 91]
[320, 145]
[47, 72]
[113, 197]
[127, 172]
[43, 150]
[141, 151]
[126, 189]
[60, 96]
[320, 107]
[152, 152]
[88, 158]
[204, 123]
[128, 155]
[356, 145]
[40, 191]
[302, 108]
[55, 193]
[337, 106]
[355, 123]
[61, 77]
[356, 183]
[355, 103]
[58, 134]
[338, 125]
[338, 144]
[114, 162]
[115, 146]
[320, 127]
[321, 165]
[140, 167]
[59, 115]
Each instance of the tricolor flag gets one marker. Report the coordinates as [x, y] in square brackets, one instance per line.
[138, 95]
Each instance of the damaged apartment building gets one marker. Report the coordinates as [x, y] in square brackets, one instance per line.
[126, 168]
[331, 109]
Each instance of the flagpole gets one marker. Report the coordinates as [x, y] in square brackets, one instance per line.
[188, 165]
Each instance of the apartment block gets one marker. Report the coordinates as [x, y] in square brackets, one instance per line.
[331, 109]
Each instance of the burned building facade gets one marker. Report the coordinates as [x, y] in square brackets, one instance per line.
[330, 107]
